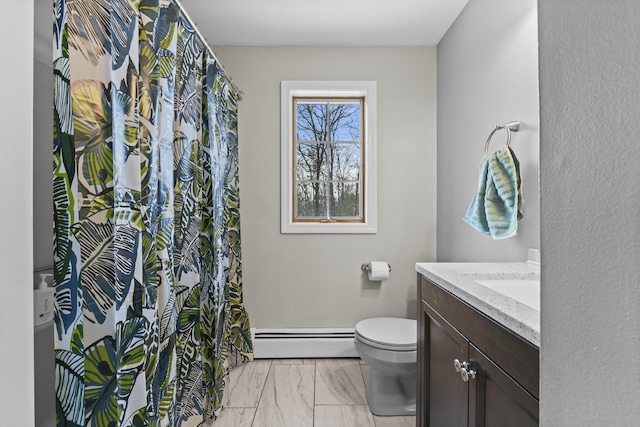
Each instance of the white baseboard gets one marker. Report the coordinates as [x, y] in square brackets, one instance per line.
[297, 343]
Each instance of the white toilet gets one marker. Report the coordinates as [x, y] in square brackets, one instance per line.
[388, 346]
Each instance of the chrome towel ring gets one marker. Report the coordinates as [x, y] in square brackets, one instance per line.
[510, 127]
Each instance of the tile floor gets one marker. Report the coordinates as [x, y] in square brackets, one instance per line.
[302, 393]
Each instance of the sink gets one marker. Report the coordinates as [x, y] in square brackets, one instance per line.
[524, 290]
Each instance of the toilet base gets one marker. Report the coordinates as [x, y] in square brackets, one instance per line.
[390, 396]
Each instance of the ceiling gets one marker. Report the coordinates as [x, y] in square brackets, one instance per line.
[323, 22]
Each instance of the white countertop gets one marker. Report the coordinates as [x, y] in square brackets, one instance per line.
[460, 279]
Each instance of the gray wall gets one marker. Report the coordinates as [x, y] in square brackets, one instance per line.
[315, 280]
[590, 186]
[42, 140]
[42, 165]
[16, 219]
[487, 75]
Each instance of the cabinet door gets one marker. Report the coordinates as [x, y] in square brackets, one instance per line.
[446, 395]
[495, 399]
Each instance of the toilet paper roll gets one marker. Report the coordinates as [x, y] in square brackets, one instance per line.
[378, 271]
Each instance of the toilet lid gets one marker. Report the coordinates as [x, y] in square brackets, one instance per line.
[388, 333]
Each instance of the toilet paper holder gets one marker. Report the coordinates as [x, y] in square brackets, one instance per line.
[365, 267]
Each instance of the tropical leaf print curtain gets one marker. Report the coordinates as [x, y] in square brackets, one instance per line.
[149, 312]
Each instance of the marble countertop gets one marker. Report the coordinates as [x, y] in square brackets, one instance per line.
[460, 279]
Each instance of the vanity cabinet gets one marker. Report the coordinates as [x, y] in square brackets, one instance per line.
[472, 371]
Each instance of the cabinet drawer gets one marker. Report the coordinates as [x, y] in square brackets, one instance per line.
[516, 356]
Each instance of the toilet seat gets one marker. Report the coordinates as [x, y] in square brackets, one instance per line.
[388, 333]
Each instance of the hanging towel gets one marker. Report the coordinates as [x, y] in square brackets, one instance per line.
[497, 206]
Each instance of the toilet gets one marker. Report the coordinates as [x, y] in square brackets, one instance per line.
[388, 346]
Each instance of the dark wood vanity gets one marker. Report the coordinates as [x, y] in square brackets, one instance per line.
[472, 371]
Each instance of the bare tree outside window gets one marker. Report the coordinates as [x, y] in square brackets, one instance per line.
[328, 162]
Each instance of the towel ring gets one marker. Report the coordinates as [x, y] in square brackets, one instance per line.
[510, 127]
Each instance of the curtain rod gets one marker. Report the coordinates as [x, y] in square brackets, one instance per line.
[206, 44]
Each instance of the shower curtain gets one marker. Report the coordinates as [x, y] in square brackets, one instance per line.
[149, 316]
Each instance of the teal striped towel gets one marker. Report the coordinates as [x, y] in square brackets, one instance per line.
[497, 206]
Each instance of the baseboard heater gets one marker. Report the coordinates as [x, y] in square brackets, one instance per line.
[303, 343]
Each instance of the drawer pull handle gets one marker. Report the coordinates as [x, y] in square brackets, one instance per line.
[465, 370]
[458, 365]
[467, 375]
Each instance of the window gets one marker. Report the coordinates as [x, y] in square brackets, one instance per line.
[327, 149]
[328, 157]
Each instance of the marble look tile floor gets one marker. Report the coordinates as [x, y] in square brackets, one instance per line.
[301, 393]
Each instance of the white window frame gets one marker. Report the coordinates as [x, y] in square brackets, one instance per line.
[291, 89]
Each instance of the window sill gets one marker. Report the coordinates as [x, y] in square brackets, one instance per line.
[327, 228]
